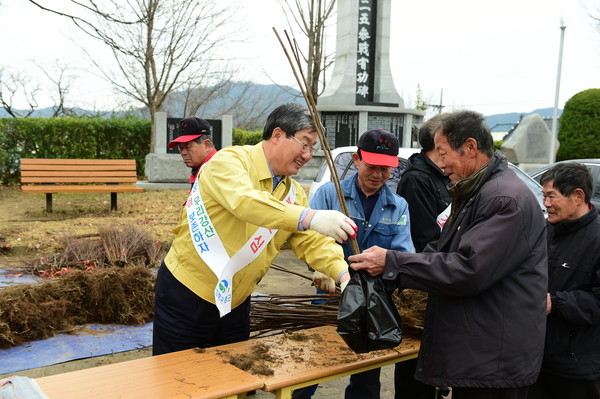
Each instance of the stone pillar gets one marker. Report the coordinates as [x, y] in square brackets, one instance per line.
[361, 94]
[160, 132]
[226, 130]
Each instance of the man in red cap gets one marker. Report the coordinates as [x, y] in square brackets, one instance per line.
[195, 144]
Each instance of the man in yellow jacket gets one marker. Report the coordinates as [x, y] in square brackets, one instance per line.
[240, 211]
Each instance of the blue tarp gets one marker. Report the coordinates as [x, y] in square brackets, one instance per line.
[8, 277]
[88, 341]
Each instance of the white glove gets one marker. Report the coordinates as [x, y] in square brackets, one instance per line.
[333, 224]
[323, 282]
[343, 285]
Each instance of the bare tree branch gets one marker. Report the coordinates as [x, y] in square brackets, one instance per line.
[62, 83]
[312, 18]
[158, 46]
[14, 85]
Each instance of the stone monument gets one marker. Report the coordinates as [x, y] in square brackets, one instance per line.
[528, 146]
[362, 95]
[165, 165]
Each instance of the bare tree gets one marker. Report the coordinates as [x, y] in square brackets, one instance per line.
[15, 86]
[158, 46]
[312, 19]
[62, 80]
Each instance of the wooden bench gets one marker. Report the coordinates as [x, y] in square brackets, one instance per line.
[293, 361]
[51, 176]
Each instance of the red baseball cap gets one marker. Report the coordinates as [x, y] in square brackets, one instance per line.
[379, 147]
[190, 129]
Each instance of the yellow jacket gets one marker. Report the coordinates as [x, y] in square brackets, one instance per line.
[236, 190]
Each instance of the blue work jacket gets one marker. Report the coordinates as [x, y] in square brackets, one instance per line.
[389, 226]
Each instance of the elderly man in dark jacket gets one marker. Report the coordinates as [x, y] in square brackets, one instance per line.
[571, 366]
[486, 276]
[424, 187]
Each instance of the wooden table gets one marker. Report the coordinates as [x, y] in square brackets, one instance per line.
[306, 358]
[185, 374]
[279, 363]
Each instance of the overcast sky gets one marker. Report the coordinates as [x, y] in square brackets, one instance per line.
[492, 56]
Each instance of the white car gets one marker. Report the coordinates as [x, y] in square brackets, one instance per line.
[342, 159]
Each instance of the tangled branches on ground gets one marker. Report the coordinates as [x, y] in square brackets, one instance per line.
[38, 311]
[120, 245]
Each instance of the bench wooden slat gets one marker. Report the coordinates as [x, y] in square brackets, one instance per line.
[52, 161]
[44, 173]
[74, 168]
[117, 188]
[79, 179]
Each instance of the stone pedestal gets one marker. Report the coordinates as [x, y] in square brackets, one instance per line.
[344, 124]
[166, 168]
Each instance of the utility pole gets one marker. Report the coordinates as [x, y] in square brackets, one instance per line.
[555, 113]
[440, 105]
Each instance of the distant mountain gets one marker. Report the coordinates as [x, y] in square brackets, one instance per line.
[251, 101]
[260, 98]
[505, 122]
[46, 112]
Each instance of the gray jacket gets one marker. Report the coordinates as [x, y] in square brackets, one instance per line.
[486, 314]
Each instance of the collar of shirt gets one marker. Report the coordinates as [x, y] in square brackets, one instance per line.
[195, 171]
[276, 179]
[368, 203]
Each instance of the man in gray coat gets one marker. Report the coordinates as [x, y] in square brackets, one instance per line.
[486, 276]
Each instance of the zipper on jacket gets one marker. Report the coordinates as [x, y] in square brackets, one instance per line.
[571, 346]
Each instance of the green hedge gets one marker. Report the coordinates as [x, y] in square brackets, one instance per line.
[81, 138]
[245, 137]
[579, 132]
[71, 138]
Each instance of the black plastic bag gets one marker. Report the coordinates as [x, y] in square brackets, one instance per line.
[367, 317]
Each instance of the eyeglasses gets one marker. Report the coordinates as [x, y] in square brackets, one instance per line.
[305, 147]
